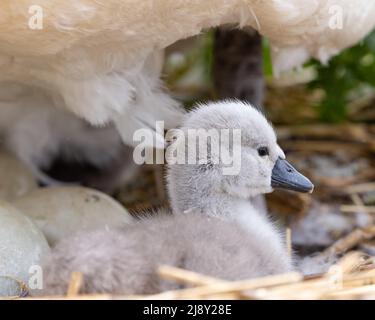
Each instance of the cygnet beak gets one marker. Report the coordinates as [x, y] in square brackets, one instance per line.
[285, 176]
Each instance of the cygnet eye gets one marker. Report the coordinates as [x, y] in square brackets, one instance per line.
[263, 151]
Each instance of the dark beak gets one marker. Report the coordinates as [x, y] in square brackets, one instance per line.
[286, 177]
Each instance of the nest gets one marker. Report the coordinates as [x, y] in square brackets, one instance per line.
[352, 277]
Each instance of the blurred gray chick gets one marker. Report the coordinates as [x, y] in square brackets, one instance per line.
[46, 137]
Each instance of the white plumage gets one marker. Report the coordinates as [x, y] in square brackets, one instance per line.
[38, 131]
[94, 56]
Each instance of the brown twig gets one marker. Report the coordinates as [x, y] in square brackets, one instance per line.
[356, 208]
[75, 284]
[361, 188]
[350, 241]
[186, 276]
[229, 287]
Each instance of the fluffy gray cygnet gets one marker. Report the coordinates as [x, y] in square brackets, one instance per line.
[213, 228]
[124, 261]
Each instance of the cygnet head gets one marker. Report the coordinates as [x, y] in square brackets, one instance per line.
[255, 165]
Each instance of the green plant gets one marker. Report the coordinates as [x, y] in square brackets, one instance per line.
[267, 61]
[343, 78]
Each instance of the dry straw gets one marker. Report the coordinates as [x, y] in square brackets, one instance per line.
[352, 277]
